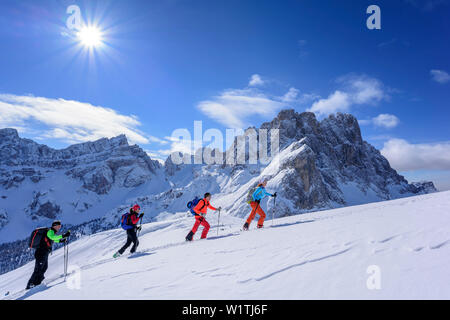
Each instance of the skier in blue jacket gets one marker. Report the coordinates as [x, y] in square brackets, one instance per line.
[259, 194]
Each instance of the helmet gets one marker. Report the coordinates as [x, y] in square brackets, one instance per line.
[136, 207]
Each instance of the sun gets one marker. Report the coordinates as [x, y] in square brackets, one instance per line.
[90, 36]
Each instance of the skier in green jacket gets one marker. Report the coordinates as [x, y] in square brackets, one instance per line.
[42, 252]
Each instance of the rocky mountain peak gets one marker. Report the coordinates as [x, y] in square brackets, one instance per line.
[294, 126]
[344, 126]
[99, 164]
[8, 134]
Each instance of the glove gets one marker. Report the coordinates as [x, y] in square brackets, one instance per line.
[219, 208]
[67, 234]
[274, 195]
[141, 215]
[62, 240]
[139, 228]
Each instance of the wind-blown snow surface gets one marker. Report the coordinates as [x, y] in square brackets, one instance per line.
[315, 255]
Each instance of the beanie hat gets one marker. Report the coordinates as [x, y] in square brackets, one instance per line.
[56, 223]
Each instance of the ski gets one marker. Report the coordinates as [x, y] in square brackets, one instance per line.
[28, 292]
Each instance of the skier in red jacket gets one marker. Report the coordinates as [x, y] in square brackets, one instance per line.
[131, 233]
[200, 212]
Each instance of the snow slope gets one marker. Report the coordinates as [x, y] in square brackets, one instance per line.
[315, 255]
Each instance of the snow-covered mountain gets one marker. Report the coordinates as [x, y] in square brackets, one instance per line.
[321, 165]
[76, 184]
[99, 165]
[397, 249]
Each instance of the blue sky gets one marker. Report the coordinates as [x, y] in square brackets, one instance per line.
[165, 64]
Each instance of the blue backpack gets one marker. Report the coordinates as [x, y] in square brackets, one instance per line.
[125, 221]
[191, 205]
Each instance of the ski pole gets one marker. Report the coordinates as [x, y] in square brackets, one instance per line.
[140, 227]
[67, 256]
[65, 260]
[273, 210]
[218, 223]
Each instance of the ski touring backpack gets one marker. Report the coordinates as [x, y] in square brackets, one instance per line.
[125, 221]
[191, 205]
[36, 237]
[250, 194]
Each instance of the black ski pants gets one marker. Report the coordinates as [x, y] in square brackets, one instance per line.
[41, 265]
[131, 238]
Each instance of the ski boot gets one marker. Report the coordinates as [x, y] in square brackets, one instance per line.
[260, 226]
[245, 227]
[30, 286]
[116, 255]
[190, 236]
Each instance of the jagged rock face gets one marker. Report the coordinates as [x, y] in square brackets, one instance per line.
[424, 187]
[170, 167]
[306, 189]
[338, 155]
[43, 206]
[322, 164]
[13, 178]
[99, 165]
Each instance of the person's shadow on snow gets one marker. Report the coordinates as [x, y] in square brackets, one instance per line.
[291, 224]
[140, 254]
[37, 289]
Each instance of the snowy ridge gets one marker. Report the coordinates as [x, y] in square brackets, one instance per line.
[314, 255]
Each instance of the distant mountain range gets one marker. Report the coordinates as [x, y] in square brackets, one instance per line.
[321, 165]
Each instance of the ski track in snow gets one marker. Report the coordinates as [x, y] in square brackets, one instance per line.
[295, 265]
[315, 255]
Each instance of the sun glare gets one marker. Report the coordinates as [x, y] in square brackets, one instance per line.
[90, 36]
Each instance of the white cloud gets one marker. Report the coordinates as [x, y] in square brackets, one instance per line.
[177, 144]
[382, 120]
[386, 120]
[157, 140]
[404, 156]
[180, 145]
[356, 90]
[440, 76]
[233, 107]
[69, 121]
[363, 89]
[256, 80]
[337, 101]
[291, 95]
